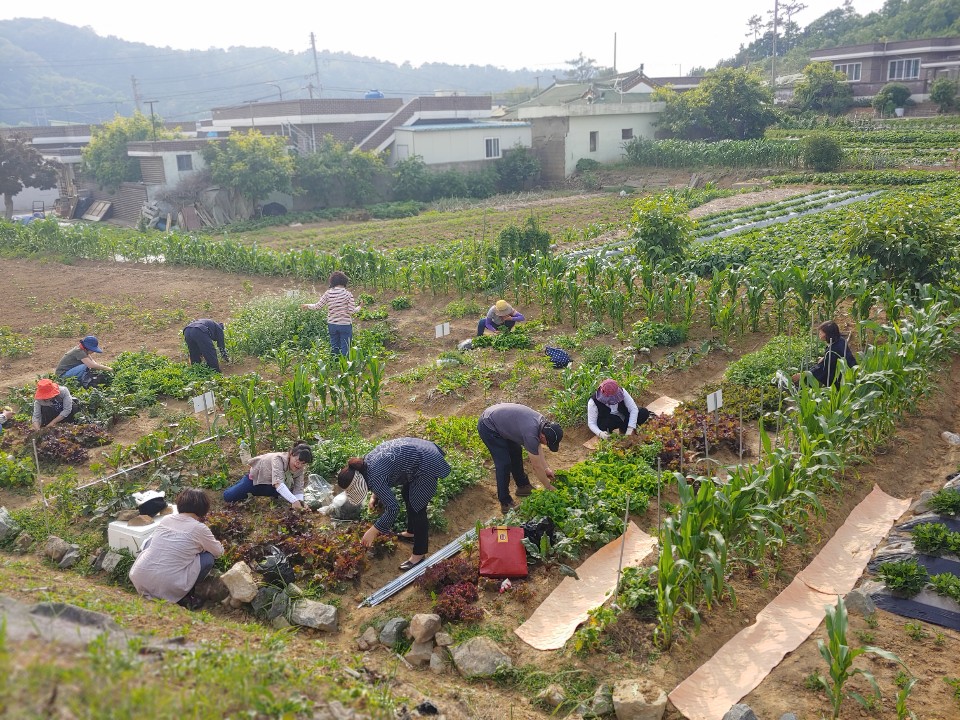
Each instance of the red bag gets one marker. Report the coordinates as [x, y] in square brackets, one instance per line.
[502, 554]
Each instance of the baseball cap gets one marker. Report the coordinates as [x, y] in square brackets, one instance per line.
[553, 433]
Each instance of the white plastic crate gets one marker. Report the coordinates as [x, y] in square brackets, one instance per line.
[121, 536]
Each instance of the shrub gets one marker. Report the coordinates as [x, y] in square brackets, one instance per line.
[944, 93]
[401, 302]
[822, 153]
[587, 165]
[524, 242]
[518, 169]
[662, 230]
[272, 320]
[648, 334]
[780, 353]
[457, 309]
[891, 96]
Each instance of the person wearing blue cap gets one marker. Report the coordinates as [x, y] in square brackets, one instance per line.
[200, 335]
[78, 363]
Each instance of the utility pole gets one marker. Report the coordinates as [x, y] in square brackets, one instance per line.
[278, 90]
[153, 122]
[773, 59]
[537, 78]
[136, 92]
[614, 52]
[316, 65]
[310, 90]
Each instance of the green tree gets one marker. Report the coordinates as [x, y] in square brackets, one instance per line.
[728, 104]
[910, 239]
[944, 93]
[661, 227]
[338, 175]
[890, 97]
[823, 90]
[251, 164]
[106, 159]
[411, 180]
[822, 153]
[518, 169]
[582, 69]
[21, 165]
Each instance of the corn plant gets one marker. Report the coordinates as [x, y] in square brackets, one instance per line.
[780, 290]
[671, 578]
[241, 407]
[296, 395]
[756, 295]
[839, 657]
[373, 375]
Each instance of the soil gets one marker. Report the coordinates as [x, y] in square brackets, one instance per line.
[899, 469]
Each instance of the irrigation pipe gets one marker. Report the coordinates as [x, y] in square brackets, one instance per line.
[147, 462]
[395, 586]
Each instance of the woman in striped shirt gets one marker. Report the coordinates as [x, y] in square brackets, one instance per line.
[415, 466]
[341, 307]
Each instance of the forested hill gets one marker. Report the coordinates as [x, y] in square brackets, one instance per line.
[54, 71]
[896, 20]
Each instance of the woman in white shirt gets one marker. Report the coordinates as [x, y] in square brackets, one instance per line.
[611, 408]
[179, 554]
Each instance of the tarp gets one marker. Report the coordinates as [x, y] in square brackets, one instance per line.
[557, 618]
[748, 657]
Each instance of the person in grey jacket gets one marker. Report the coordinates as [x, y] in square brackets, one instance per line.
[275, 474]
[52, 404]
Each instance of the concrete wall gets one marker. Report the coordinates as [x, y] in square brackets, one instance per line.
[453, 146]
[549, 142]
[23, 201]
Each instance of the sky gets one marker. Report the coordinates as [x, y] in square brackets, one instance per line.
[668, 38]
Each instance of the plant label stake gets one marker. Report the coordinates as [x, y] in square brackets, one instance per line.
[741, 434]
[442, 330]
[659, 480]
[623, 542]
[36, 460]
[206, 404]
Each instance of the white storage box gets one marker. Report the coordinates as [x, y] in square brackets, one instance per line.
[121, 536]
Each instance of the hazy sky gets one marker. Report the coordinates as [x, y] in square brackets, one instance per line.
[667, 37]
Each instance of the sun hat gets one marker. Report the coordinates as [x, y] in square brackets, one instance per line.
[503, 308]
[91, 344]
[357, 490]
[553, 433]
[46, 389]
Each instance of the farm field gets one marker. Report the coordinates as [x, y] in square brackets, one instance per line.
[763, 289]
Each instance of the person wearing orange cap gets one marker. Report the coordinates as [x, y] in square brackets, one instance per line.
[52, 404]
[500, 315]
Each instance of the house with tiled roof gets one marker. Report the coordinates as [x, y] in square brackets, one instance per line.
[593, 120]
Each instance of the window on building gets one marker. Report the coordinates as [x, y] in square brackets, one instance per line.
[626, 134]
[904, 69]
[493, 147]
[184, 162]
[594, 140]
[851, 70]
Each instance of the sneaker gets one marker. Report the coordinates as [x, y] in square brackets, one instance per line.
[524, 490]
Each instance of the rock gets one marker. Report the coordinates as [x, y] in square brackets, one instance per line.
[423, 627]
[427, 708]
[479, 656]
[316, 615]
[439, 660]
[55, 548]
[420, 653]
[280, 622]
[127, 515]
[740, 711]
[368, 639]
[859, 603]
[23, 543]
[293, 591]
[921, 506]
[69, 560]
[602, 703]
[212, 588]
[75, 615]
[443, 639]
[109, 561]
[140, 521]
[8, 526]
[240, 582]
[950, 437]
[789, 716]
[391, 631]
[638, 700]
[552, 696]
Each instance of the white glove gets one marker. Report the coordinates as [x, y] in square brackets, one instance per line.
[603, 435]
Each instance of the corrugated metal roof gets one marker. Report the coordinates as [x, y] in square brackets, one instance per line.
[462, 126]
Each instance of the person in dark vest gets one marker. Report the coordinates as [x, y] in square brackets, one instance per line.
[52, 404]
[200, 336]
[827, 370]
[611, 408]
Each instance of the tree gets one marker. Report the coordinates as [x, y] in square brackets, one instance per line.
[583, 69]
[337, 175]
[106, 159]
[822, 153]
[411, 179]
[755, 26]
[823, 90]
[518, 169]
[251, 164]
[728, 104]
[21, 165]
[891, 96]
[944, 93]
